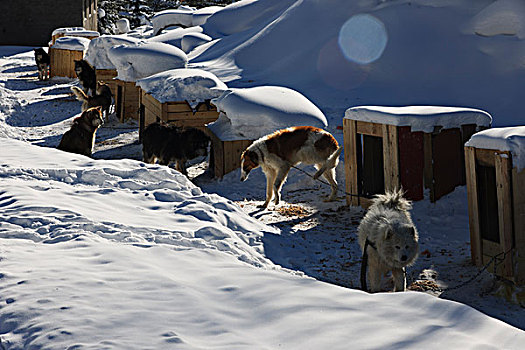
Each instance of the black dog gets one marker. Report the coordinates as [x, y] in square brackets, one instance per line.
[42, 63]
[86, 76]
[169, 143]
[101, 98]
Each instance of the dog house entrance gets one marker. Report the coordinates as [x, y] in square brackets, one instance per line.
[488, 203]
[370, 165]
[118, 102]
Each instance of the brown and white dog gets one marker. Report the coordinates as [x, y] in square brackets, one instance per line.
[278, 152]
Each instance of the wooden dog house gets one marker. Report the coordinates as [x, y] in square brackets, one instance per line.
[62, 62]
[178, 113]
[126, 97]
[496, 196]
[226, 154]
[107, 76]
[412, 148]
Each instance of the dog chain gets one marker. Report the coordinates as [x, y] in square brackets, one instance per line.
[322, 181]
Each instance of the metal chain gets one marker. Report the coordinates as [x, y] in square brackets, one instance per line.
[322, 181]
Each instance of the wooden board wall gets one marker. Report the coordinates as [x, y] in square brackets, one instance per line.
[127, 100]
[62, 62]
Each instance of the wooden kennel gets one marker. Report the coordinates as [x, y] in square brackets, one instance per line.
[126, 97]
[107, 76]
[178, 113]
[226, 154]
[62, 62]
[380, 157]
[496, 198]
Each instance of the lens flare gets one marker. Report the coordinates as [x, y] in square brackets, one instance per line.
[363, 39]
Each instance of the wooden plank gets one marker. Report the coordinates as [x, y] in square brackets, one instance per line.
[350, 160]
[473, 210]
[391, 157]
[179, 106]
[218, 154]
[428, 170]
[411, 162]
[229, 162]
[518, 196]
[503, 181]
[371, 129]
[152, 106]
[447, 162]
[485, 157]
[365, 203]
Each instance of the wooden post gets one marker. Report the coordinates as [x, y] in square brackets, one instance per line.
[503, 182]
[350, 160]
[391, 157]
[518, 186]
[473, 210]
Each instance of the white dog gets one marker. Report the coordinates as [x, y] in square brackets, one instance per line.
[278, 152]
[390, 239]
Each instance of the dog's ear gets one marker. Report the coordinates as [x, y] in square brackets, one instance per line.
[254, 157]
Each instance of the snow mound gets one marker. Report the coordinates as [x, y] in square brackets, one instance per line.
[97, 52]
[503, 17]
[420, 118]
[75, 31]
[62, 196]
[192, 40]
[182, 16]
[201, 15]
[510, 139]
[174, 36]
[140, 61]
[71, 43]
[192, 85]
[248, 114]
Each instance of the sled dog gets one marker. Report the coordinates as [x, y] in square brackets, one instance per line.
[81, 137]
[86, 75]
[102, 98]
[42, 63]
[278, 152]
[389, 238]
[169, 143]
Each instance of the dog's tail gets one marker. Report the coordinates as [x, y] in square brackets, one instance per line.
[81, 95]
[330, 163]
[393, 200]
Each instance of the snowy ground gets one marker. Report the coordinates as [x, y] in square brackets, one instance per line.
[75, 238]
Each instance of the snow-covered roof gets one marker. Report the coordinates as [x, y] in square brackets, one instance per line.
[97, 52]
[182, 16]
[420, 118]
[192, 85]
[201, 15]
[75, 31]
[174, 36]
[71, 43]
[510, 139]
[140, 61]
[192, 40]
[250, 113]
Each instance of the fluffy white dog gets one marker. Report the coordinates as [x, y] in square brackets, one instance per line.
[390, 239]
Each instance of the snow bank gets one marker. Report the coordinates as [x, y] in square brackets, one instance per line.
[124, 255]
[75, 31]
[201, 15]
[176, 17]
[192, 85]
[140, 61]
[243, 15]
[174, 36]
[248, 114]
[97, 52]
[503, 17]
[192, 40]
[510, 139]
[71, 43]
[420, 118]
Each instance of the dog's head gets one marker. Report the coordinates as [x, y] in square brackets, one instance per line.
[200, 142]
[401, 244]
[78, 66]
[249, 160]
[93, 116]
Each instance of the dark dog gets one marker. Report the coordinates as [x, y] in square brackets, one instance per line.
[42, 63]
[168, 143]
[102, 98]
[81, 137]
[86, 76]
